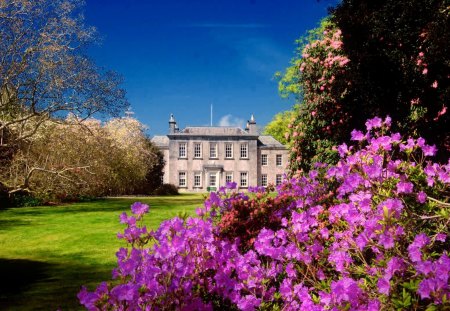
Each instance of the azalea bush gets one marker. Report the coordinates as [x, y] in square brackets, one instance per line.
[369, 233]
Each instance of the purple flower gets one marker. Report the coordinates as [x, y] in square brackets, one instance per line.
[231, 185]
[441, 237]
[414, 249]
[429, 150]
[139, 208]
[357, 135]
[404, 187]
[343, 150]
[383, 286]
[421, 197]
[425, 288]
[373, 123]
[125, 292]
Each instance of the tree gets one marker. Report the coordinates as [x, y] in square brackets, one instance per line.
[44, 73]
[69, 160]
[371, 59]
[278, 126]
[399, 64]
[317, 79]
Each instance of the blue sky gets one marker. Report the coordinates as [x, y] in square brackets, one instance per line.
[182, 56]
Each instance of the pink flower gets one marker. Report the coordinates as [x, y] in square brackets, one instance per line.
[415, 101]
[425, 71]
[421, 54]
[440, 113]
[435, 84]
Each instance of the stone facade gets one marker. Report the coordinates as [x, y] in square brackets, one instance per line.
[199, 159]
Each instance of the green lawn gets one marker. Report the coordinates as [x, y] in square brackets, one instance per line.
[47, 253]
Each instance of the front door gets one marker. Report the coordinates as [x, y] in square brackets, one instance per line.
[213, 180]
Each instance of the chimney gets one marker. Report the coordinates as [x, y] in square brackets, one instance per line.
[172, 125]
[252, 126]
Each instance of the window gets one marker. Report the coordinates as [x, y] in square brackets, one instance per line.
[264, 160]
[182, 150]
[228, 151]
[244, 151]
[212, 179]
[182, 179]
[213, 150]
[244, 177]
[229, 177]
[264, 180]
[278, 179]
[197, 179]
[279, 160]
[197, 150]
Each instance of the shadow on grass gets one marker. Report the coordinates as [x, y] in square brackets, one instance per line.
[5, 224]
[35, 285]
[114, 205]
[19, 274]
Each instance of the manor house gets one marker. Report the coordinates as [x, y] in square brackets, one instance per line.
[203, 158]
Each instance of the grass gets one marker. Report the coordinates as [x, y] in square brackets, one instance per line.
[48, 253]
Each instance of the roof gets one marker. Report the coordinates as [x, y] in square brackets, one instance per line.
[213, 131]
[161, 141]
[267, 141]
[264, 141]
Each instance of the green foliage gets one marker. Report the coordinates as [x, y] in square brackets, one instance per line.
[278, 127]
[166, 189]
[24, 200]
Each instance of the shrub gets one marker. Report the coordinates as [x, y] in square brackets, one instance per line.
[166, 189]
[24, 199]
[368, 233]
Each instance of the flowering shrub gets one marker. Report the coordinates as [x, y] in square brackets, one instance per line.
[369, 233]
[318, 77]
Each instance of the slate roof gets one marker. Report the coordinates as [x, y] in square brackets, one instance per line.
[269, 142]
[264, 141]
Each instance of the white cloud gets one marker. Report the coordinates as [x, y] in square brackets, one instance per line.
[230, 120]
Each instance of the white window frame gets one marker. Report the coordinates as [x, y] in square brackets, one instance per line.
[213, 147]
[229, 177]
[182, 181]
[244, 151]
[278, 179]
[197, 151]
[182, 150]
[264, 159]
[243, 180]
[228, 151]
[279, 160]
[199, 179]
[264, 180]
